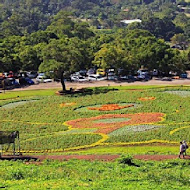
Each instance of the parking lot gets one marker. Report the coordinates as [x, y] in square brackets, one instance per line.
[78, 85]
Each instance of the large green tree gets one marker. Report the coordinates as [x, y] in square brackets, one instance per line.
[63, 57]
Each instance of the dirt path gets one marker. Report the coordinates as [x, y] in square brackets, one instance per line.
[90, 157]
[61, 157]
[158, 157]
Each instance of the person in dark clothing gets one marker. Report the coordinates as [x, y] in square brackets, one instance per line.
[181, 150]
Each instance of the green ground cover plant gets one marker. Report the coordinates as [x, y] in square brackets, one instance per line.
[44, 130]
[121, 174]
[26, 93]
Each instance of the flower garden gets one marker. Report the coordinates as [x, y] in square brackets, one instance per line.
[51, 123]
[145, 122]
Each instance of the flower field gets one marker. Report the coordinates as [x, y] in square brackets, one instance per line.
[51, 123]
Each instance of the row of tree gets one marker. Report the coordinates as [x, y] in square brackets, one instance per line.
[19, 17]
[70, 46]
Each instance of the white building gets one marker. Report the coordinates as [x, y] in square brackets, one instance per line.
[130, 21]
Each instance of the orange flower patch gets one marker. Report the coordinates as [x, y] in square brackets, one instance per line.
[67, 104]
[146, 98]
[110, 107]
[103, 127]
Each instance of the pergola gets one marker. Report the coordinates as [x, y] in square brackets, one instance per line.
[9, 137]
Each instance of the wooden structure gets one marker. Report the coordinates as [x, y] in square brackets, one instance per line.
[9, 137]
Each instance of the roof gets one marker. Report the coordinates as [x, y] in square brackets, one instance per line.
[131, 21]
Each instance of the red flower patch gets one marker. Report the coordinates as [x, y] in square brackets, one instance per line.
[103, 127]
[110, 107]
[146, 98]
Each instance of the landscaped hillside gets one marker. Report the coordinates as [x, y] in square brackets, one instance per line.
[101, 121]
[115, 118]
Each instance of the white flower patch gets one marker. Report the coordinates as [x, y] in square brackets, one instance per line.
[183, 93]
[15, 104]
[134, 129]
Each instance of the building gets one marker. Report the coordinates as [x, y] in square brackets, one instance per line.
[130, 21]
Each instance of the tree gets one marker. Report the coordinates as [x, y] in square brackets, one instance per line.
[161, 28]
[28, 58]
[132, 49]
[9, 53]
[63, 57]
[62, 25]
[181, 40]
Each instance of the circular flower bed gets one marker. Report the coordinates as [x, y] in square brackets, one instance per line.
[108, 127]
[146, 98]
[67, 104]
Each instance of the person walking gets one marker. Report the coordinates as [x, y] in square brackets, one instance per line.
[186, 147]
[181, 150]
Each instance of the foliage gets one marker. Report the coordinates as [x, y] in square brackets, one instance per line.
[69, 36]
[94, 175]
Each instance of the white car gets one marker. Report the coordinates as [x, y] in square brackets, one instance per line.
[78, 78]
[43, 79]
[96, 78]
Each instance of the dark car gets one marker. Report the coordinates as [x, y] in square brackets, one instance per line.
[32, 74]
[14, 82]
[183, 75]
[144, 77]
[25, 81]
[6, 84]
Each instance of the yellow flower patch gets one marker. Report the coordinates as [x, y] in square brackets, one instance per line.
[67, 104]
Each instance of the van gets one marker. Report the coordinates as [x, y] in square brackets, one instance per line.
[101, 72]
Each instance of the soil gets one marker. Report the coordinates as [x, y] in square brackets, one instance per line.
[158, 157]
[107, 158]
[61, 157]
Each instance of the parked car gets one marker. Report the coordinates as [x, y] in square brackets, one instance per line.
[82, 72]
[144, 77]
[43, 79]
[78, 78]
[2, 76]
[6, 84]
[14, 82]
[166, 79]
[155, 73]
[128, 78]
[75, 76]
[82, 79]
[91, 71]
[101, 72]
[183, 75]
[96, 78]
[10, 74]
[25, 81]
[32, 74]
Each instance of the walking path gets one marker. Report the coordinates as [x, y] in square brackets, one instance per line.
[90, 157]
